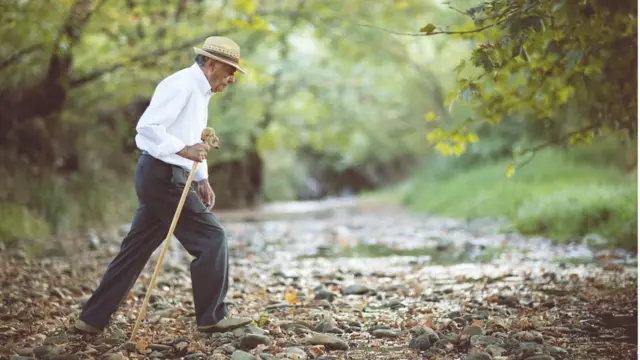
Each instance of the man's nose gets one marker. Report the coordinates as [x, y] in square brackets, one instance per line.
[232, 79]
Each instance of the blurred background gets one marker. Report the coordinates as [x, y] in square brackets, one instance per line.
[330, 108]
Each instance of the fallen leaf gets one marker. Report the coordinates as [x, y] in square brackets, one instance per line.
[141, 345]
[290, 297]
[477, 323]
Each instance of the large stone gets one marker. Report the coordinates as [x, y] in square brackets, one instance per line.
[356, 289]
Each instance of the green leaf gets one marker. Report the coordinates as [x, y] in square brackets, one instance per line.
[429, 28]
[430, 116]
[557, 5]
[571, 60]
[510, 170]
[460, 66]
[466, 94]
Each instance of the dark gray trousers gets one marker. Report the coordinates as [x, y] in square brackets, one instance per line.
[159, 187]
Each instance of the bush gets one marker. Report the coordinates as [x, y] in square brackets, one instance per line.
[607, 210]
[554, 196]
[17, 222]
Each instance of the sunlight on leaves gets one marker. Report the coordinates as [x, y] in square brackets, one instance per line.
[430, 116]
[510, 170]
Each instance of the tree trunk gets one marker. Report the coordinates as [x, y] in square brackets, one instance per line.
[30, 118]
[238, 184]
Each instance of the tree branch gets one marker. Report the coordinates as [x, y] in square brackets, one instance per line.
[17, 56]
[86, 78]
[93, 75]
[523, 10]
[533, 150]
[435, 32]
[284, 53]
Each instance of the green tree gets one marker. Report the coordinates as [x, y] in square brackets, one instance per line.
[538, 60]
[78, 73]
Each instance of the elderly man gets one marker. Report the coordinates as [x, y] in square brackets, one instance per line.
[168, 134]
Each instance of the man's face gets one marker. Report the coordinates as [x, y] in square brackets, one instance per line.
[220, 75]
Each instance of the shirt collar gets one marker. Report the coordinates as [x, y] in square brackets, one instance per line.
[201, 80]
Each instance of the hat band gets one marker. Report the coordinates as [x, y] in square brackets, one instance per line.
[222, 55]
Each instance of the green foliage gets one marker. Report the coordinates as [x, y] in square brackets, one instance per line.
[609, 210]
[17, 222]
[536, 59]
[547, 187]
[312, 84]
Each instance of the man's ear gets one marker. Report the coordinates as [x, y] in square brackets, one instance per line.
[213, 65]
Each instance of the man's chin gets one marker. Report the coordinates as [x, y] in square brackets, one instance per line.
[219, 89]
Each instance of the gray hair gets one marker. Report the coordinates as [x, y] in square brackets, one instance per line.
[201, 60]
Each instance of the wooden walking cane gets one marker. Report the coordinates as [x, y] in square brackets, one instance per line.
[208, 136]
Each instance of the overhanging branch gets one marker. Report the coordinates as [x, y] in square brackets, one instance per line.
[17, 56]
[435, 32]
[502, 18]
[86, 78]
[534, 149]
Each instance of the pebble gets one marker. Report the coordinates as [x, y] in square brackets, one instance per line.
[325, 295]
[529, 336]
[128, 346]
[495, 350]
[420, 342]
[160, 347]
[484, 340]
[355, 289]
[241, 355]
[25, 351]
[479, 356]
[473, 330]
[329, 341]
[64, 357]
[195, 356]
[294, 353]
[250, 341]
[386, 333]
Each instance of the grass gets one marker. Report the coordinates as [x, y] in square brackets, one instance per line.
[554, 196]
[55, 208]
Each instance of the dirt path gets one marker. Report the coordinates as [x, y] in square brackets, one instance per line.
[341, 280]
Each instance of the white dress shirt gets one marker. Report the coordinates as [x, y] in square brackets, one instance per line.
[176, 116]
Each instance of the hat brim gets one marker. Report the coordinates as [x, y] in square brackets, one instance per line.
[211, 56]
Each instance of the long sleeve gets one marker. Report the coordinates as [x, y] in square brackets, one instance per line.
[202, 171]
[166, 104]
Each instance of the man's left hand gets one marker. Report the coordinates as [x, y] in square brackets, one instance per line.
[207, 195]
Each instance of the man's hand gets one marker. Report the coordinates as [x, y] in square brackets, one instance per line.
[207, 195]
[197, 152]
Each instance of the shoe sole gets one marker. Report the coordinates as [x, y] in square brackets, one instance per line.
[85, 328]
[214, 329]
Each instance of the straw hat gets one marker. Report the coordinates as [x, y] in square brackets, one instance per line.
[222, 49]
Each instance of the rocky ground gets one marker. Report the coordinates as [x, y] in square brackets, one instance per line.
[346, 283]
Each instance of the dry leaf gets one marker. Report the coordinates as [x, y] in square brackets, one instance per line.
[477, 323]
[290, 297]
[613, 267]
[141, 345]
[317, 350]
[182, 345]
